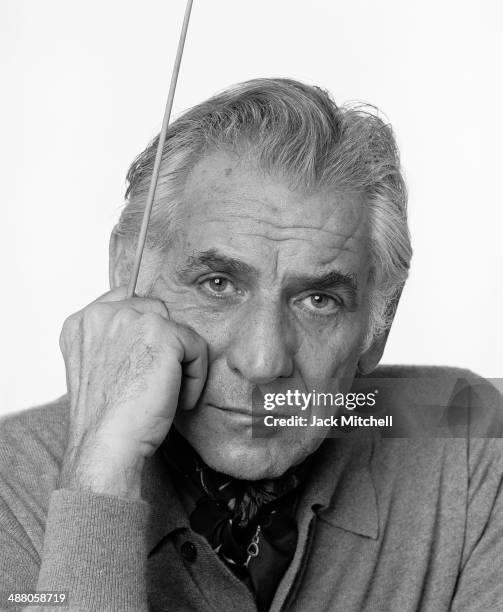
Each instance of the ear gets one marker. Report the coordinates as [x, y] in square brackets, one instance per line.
[119, 258]
[369, 360]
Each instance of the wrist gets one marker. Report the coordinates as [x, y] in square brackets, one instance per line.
[103, 469]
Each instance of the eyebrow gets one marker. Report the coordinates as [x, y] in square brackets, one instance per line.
[328, 280]
[217, 262]
[336, 281]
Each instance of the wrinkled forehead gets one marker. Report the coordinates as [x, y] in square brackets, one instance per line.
[234, 206]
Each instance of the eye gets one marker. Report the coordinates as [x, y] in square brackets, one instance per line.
[219, 285]
[320, 303]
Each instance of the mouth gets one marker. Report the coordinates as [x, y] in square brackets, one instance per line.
[240, 420]
[233, 410]
[255, 415]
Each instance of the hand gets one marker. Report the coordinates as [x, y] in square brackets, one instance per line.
[128, 367]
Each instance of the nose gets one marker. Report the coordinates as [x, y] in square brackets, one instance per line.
[262, 344]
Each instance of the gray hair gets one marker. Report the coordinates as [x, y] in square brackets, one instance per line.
[298, 131]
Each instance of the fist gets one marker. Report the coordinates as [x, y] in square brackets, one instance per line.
[128, 368]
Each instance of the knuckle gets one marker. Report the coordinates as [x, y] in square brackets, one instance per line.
[118, 292]
[151, 320]
[71, 334]
[95, 314]
[160, 308]
[156, 330]
[70, 325]
[125, 315]
[147, 305]
[114, 295]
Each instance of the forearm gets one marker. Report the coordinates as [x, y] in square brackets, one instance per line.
[95, 548]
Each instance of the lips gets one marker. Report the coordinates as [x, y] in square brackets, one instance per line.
[235, 409]
[252, 414]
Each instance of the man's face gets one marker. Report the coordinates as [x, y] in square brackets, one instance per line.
[276, 282]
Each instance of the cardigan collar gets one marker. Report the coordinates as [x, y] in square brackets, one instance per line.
[340, 489]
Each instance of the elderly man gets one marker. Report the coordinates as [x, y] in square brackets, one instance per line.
[277, 251]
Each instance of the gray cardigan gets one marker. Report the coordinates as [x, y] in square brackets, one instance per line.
[397, 525]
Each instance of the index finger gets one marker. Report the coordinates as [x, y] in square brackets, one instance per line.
[114, 295]
[140, 304]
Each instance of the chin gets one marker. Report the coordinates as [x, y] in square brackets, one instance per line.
[232, 450]
[247, 462]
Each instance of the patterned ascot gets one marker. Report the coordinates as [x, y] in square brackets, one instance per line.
[250, 524]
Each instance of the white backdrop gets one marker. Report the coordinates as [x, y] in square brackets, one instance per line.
[84, 84]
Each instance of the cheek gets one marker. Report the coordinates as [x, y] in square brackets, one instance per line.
[185, 309]
[213, 327]
[329, 353]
